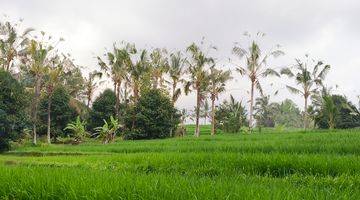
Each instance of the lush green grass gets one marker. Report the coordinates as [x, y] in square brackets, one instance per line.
[268, 165]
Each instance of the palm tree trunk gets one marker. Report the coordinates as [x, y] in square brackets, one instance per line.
[251, 110]
[35, 107]
[305, 112]
[173, 103]
[197, 125]
[49, 119]
[213, 116]
[117, 104]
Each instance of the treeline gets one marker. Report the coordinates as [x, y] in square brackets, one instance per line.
[43, 92]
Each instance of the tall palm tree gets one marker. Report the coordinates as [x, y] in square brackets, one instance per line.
[137, 71]
[159, 66]
[12, 44]
[116, 69]
[198, 78]
[217, 82]
[38, 67]
[176, 71]
[90, 85]
[309, 78]
[53, 78]
[256, 68]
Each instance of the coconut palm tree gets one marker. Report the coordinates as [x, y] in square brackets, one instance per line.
[176, 71]
[217, 82]
[309, 75]
[12, 44]
[91, 85]
[198, 78]
[159, 66]
[116, 69]
[256, 68]
[137, 72]
[39, 65]
[53, 78]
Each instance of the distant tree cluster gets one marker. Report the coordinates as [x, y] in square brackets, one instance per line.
[44, 91]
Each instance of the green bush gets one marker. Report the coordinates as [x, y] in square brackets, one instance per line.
[102, 108]
[13, 104]
[152, 117]
[61, 113]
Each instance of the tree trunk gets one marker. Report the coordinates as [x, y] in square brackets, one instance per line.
[35, 106]
[305, 112]
[117, 104]
[251, 106]
[49, 119]
[173, 103]
[197, 125]
[213, 116]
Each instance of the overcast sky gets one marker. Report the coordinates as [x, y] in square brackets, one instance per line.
[328, 30]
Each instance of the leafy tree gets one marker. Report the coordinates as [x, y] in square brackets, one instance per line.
[309, 76]
[91, 85]
[53, 79]
[198, 78]
[337, 113]
[12, 44]
[217, 82]
[286, 114]
[78, 129]
[61, 112]
[264, 112]
[13, 102]
[102, 108]
[256, 67]
[154, 113]
[231, 115]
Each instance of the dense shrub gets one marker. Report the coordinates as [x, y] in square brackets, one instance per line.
[152, 117]
[346, 115]
[231, 116]
[102, 108]
[61, 113]
[13, 103]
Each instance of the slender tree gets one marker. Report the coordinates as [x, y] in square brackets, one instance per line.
[53, 78]
[38, 66]
[256, 68]
[198, 78]
[91, 85]
[217, 82]
[309, 75]
[176, 71]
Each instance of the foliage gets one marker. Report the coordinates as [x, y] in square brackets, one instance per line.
[309, 75]
[256, 67]
[264, 112]
[13, 103]
[61, 112]
[286, 114]
[155, 116]
[344, 113]
[102, 108]
[78, 129]
[107, 132]
[231, 116]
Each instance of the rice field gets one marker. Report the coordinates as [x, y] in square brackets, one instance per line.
[269, 165]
